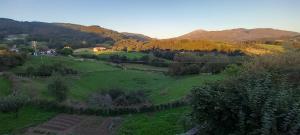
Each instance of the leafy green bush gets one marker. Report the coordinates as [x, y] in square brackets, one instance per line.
[47, 70]
[66, 51]
[58, 89]
[117, 97]
[12, 104]
[264, 101]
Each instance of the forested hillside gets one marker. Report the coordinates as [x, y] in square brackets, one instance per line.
[58, 35]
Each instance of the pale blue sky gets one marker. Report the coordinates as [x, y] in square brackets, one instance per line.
[159, 18]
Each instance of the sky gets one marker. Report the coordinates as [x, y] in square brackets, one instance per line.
[159, 18]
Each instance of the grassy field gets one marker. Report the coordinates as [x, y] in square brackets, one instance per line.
[77, 64]
[143, 67]
[28, 116]
[4, 86]
[159, 123]
[180, 87]
[96, 76]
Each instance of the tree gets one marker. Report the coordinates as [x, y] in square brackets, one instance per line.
[58, 89]
[66, 51]
[10, 59]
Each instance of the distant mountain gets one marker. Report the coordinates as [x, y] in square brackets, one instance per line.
[238, 34]
[60, 34]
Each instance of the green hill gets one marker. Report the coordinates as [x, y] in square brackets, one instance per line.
[58, 35]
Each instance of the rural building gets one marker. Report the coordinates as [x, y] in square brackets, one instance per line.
[14, 49]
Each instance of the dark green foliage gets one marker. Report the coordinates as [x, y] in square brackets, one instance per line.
[12, 104]
[254, 102]
[57, 35]
[184, 69]
[117, 97]
[66, 51]
[10, 59]
[157, 62]
[153, 61]
[195, 63]
[232, 70]
[164, 54]
[43, 70]
[118, 59]
[58, 89]
[47, 70]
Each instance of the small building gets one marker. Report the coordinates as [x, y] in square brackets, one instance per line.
[14, 49]
[99, 49]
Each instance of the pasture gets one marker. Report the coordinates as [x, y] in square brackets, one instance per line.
[5, 86]
[96, 76]
[159, 123]
[29, 116]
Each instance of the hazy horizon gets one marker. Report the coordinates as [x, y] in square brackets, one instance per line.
[159, 19]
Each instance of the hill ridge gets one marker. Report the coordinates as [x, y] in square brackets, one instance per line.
[238, 34]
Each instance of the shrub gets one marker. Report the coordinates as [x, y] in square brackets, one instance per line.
[99, 100]
[58, 89]
[264, 101]
[10, 59]
[47, 70]
[117, 97]
[44, 70]
[12, 104]
[232, 70]
[66, 51]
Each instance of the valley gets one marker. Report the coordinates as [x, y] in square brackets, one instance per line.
[63, 78]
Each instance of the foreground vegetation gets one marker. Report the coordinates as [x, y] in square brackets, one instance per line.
[262, 98]
[164, 123]
[31, 116]
[5, 86]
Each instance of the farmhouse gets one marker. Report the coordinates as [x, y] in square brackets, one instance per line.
[98, 49]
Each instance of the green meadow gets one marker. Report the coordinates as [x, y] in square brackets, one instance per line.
[166, 122]
[95, 76]
[5, 86]
[29, 116]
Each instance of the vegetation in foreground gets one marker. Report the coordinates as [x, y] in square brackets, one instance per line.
[262, 98]
[160, 123]
[5, 86]
[30, 116]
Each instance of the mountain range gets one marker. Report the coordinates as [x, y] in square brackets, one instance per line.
[239, 34]
[60, 34]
